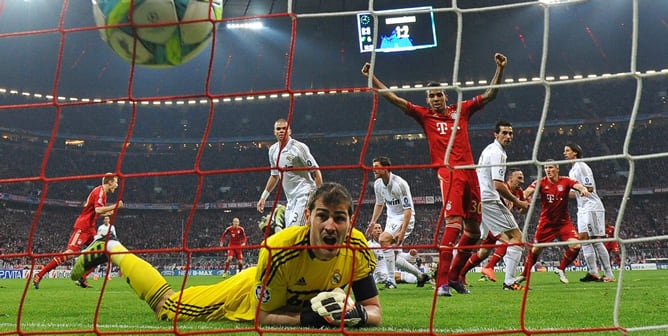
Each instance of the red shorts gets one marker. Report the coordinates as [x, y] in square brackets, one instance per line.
[546, 234]
[236, 253]
[461, 193]
[80, 238]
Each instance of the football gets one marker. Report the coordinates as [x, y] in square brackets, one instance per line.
[157, 33]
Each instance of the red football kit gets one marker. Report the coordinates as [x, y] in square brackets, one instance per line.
[85, 224]
[237, 238]
[554, 222]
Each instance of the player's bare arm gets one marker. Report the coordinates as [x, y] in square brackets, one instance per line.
[389, 95]
[503, 190]
[103, 210]
[317, 177]
[491, 93]
[269, 187]
[582, 189]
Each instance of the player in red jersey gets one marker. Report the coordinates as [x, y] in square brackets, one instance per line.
[237, 239]
[612, 246]
[85, 226]
[459, 188]
[555, 222]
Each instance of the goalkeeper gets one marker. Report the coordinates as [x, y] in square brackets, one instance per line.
[306, 285]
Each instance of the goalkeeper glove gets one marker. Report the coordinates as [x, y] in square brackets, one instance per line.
[330, 306]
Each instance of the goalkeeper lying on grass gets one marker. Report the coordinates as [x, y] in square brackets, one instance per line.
[290, 286]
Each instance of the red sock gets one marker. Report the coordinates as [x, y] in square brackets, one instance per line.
[55, 262]
[227, 265]
[473, 261]
[531, 260]
[569, 255]
[445, 255]
[462, 255]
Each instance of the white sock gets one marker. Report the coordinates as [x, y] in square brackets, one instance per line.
[590, 258]
[404, 265]
[511, 259]
[604, 256]
[408, 278]
[389, 261]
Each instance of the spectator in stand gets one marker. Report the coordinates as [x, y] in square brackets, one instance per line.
[237, 239]
[460, 190]
[591, 217]
[297, 184]
[554, 222]
[84, 226]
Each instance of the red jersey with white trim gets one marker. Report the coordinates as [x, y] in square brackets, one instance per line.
[237, 236]
[519, 193]
[88, 218]
[554, 201]
[437, 128]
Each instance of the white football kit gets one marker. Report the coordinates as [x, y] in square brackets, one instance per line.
[591, 212]
[396, 196]
[297, 184]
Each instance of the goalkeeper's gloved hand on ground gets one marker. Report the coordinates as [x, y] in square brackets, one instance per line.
[329, 306]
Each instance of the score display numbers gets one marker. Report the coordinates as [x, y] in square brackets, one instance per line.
[398, 30]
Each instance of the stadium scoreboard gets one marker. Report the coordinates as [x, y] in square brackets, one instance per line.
[398, 29]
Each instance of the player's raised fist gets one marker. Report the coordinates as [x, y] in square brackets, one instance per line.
[500, 59]
[365, 69]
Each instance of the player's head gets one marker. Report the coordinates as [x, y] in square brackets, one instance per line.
[378, 163]
[551, 169]
[437, 98]
[235, 222]
[572, 151]
[515, 178]
[106, 220]
[503, 132]
[329, 213]
[413, 252]
[110, 181]
[282, 130]
[377, 230]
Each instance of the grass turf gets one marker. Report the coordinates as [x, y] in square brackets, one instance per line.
[59, 307]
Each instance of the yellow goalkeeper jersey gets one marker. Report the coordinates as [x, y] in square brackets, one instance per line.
[287, 276]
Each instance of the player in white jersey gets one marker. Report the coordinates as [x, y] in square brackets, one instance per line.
[591, 217]
[289, 153]
[496, 217]
[106, 229]
[393, 193]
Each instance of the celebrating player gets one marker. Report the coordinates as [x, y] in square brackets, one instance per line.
[554, 222]
[459, 188]
[393, 193]
[84, 226]
[297, 184]
[591, 217]
[497, 220]
[237, 239]
[298, 280]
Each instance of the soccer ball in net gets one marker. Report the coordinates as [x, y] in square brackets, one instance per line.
[157, 33]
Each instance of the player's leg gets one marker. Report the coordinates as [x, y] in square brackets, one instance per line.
[567, 233]
[240, 259]
[585, 225]
[386, 239]
[450, 191]
[471, 206]
[598, 231]
[230, 255]
[77, 240]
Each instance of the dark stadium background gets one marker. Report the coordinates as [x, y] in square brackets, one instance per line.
[585, 38]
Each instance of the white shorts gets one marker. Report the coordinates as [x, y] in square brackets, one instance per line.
[496, 218]
[393, 227]
[294, 211]
[592, 222]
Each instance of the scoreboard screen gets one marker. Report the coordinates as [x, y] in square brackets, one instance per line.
[398, 30]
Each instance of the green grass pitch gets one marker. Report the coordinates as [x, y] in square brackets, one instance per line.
[61, 307]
